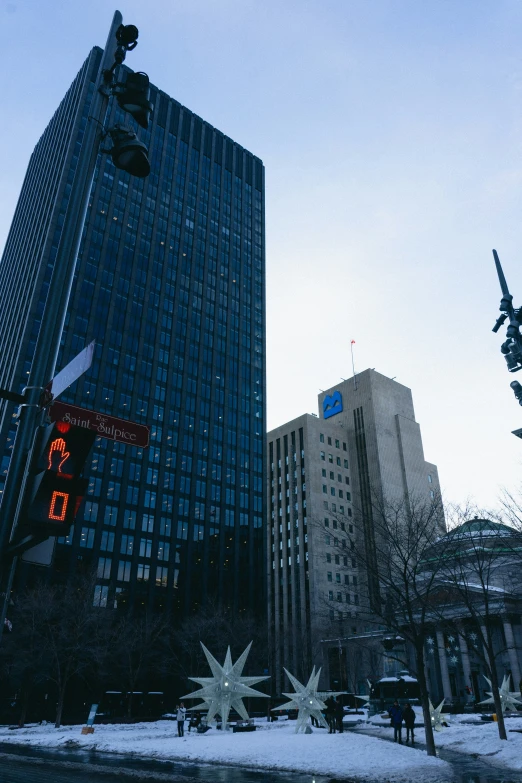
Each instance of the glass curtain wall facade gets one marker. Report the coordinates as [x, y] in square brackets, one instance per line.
[170, 283]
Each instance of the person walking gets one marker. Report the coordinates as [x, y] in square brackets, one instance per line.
[180, 717]
[408, 715]
[395, 714]
[330, 714]
[339, 714]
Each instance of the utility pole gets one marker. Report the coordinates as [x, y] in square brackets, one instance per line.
[127, 153]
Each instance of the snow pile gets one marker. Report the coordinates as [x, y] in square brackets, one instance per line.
[482, 740]
[272, 746]
[466, 734]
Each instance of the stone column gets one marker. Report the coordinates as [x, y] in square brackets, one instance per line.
[484, 640]
[512, 653]
[466, 666]
[446, 687]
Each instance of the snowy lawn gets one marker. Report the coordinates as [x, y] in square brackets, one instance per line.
[273, 746]
[479, 739]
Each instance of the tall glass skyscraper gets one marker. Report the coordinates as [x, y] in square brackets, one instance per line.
[170, 282]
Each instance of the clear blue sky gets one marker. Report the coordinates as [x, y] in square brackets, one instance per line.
[391, 132]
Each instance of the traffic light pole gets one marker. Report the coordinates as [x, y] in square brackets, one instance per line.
[48, 342]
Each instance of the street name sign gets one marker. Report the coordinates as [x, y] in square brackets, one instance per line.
[105, 426]
[70, 373]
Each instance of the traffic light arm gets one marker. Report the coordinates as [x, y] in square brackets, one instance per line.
[511, 348]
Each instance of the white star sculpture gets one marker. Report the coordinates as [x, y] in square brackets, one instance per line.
[508, 698]
[226, 689]
[307, 700]
[436, 717]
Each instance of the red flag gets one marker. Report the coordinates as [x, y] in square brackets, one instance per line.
[353, 342]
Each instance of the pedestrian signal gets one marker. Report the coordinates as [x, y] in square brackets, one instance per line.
[57, 486]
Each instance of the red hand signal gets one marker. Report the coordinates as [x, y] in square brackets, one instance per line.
[58, 447]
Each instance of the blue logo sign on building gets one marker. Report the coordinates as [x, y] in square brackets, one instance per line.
[332, 404]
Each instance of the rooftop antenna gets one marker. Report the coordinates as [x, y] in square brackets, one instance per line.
[511, 348]
[352, 343]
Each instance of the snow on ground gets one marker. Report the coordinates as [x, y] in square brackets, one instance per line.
[272, 746]
[468, 734]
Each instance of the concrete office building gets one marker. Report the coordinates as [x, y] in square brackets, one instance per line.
[322, 473]
[170, 281]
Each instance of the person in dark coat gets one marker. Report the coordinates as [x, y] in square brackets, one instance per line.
[395, 713]
[330, 714]
[339, 714]
[408, 715]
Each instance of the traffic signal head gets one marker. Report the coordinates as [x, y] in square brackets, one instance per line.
[128, 153]
[133, 96]
[57, 487]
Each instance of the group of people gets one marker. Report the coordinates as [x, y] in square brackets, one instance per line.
[195, 721]
[334, 714]
[398, 715]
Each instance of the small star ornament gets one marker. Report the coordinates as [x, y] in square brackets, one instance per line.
[437, 723]
[307, 700]
[226, 689]
[508, 698]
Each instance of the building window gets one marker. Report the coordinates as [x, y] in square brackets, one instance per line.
[323, 456]
[432, 494]
[124, 569]
[338, 461]
[107, 542]
[356, 600]
[328, 557]
[325, 504]
[340, 493]
[147, 524]
[341, 509]
[161, 576]
[146, 547]
[329, 576]
[338, 578]
[332, 491]
[326, 522]
[104, 567]
[330, 458]
[330, 595]
[334, 507]
[346, 579]
[340, 597]
[346, 463]
[325, 489]
[143, 572]
[329, 441]
[126, 545]
[323, 472]
[336, 559]
[101, 593]
[87, 537]
[344, 446]
[347, 480]
[429, 478]
[337, 445]
[321, 437]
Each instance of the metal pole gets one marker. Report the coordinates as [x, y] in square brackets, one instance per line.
[48, 342]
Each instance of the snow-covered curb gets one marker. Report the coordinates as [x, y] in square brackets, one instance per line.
[272, 747]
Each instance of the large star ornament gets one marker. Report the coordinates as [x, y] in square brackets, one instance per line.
[436, 717]
[306, 700]
[508, 698]
[226, 689]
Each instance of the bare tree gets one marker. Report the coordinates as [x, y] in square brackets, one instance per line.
[62, 624]
[396, 590]
[478, 560]
[138, 646]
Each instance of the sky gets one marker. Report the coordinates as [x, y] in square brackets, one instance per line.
[391, 133]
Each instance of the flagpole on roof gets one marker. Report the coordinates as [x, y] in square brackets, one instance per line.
[352, 343]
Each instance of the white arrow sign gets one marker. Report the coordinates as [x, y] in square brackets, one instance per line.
[71, 372]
